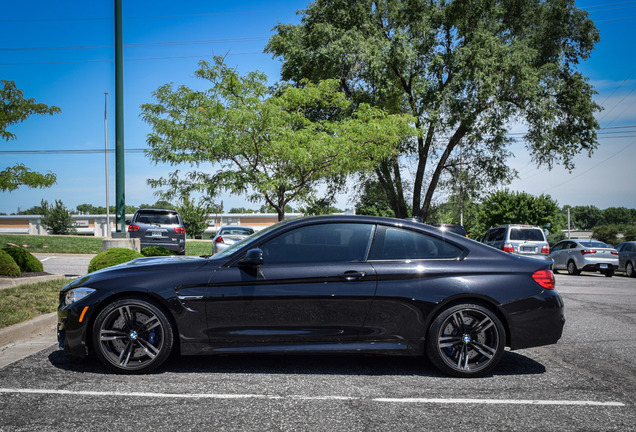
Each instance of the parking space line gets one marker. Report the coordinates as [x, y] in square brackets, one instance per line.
[312, 398]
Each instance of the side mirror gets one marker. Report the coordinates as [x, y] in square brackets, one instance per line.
[253, 258]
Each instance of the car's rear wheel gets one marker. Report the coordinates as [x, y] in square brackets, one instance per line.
[132, 335]
[629, 270]
[572, 268]
[466, 340]
[609, 273]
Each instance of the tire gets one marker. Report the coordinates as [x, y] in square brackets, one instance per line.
[572, 270]
[629, 270]
[466, 340]
[132, 335]
[609, 273]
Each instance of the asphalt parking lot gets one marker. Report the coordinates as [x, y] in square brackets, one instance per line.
[585, 382]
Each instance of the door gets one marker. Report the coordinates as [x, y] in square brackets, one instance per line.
[314, 286]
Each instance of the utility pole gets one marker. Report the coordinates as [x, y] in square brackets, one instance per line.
[106, 164]
[120, 180]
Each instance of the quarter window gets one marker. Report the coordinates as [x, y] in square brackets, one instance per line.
[400, 244]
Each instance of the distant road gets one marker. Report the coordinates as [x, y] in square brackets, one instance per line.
[65, 264]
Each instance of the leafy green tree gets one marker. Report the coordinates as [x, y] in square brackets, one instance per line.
[320, 206]
[506, 207]
[606, 233]
[617, 216]
[14, 108]
[629, 233]
[464, 70]
[586, 217]
[278, 146]
[194, 214]
[373, 200]
[57, 219]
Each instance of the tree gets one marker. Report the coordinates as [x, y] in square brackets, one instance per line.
[57, 219]
[14, 108]
[506, 207]
[373, 200]
[606, 233]
[617, 216]
[276, 147]
[194, 214]
[629, 233]
[465, 70]
[586, 217]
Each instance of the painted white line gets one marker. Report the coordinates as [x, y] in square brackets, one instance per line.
[312, 398]
[47, 258]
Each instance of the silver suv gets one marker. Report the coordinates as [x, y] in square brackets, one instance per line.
[524, 240]
[159, 227]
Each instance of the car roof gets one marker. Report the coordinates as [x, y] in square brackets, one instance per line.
[154, 210]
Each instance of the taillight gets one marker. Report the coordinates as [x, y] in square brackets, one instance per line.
[219, 239]
[588, 251]
[179, 230]
[133, 228]
[508, 248]
[545, 278]
[614, 252]
[545, 249]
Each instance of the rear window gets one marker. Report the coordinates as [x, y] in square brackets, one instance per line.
[526, 234]
[157, 218]
[594, 244]
[237, 231]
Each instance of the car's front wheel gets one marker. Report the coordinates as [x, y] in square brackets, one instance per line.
[132, 335]
[466, 340]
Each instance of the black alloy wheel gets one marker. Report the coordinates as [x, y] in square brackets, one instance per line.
[629, 270]
[132, 336]
[466, 340]
[572, 270]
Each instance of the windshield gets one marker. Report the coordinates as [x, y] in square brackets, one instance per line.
[526, 234]
[247, 240]
[594, 244]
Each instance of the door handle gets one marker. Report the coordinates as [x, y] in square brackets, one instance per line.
[352, 275]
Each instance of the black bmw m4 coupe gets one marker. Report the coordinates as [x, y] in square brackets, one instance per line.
[328, 284]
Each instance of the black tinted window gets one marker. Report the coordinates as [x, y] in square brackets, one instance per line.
[495, 235]
[399, 244]
[526, 234]
[320, 243]
[157, 218]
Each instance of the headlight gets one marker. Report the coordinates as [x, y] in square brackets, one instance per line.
[77, 294]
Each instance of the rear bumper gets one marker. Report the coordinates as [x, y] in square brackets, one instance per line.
[536, 321]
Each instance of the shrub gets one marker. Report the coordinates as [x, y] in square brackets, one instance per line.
[24, 259]
[155, 251]
[8, 266]
[629, 233]
[111, 257]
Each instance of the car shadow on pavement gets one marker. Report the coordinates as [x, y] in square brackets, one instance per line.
[511, 364]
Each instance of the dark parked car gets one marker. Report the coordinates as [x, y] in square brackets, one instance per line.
[627, 258]
[346, 284]
[159, 227]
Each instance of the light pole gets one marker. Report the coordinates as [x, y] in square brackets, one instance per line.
[106, 164]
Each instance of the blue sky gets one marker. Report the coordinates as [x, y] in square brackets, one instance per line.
[60, 53]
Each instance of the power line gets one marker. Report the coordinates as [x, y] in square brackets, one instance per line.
[137, 45]
[129, 59]
[145, 17]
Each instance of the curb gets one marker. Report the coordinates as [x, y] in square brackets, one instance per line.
[25, 330]
[6, 282]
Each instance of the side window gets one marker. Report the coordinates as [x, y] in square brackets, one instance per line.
[400, 244]
[558, 247]
[320, 243]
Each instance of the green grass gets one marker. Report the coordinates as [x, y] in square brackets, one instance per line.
[54, 243]
[25, 302]
[83, 244]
